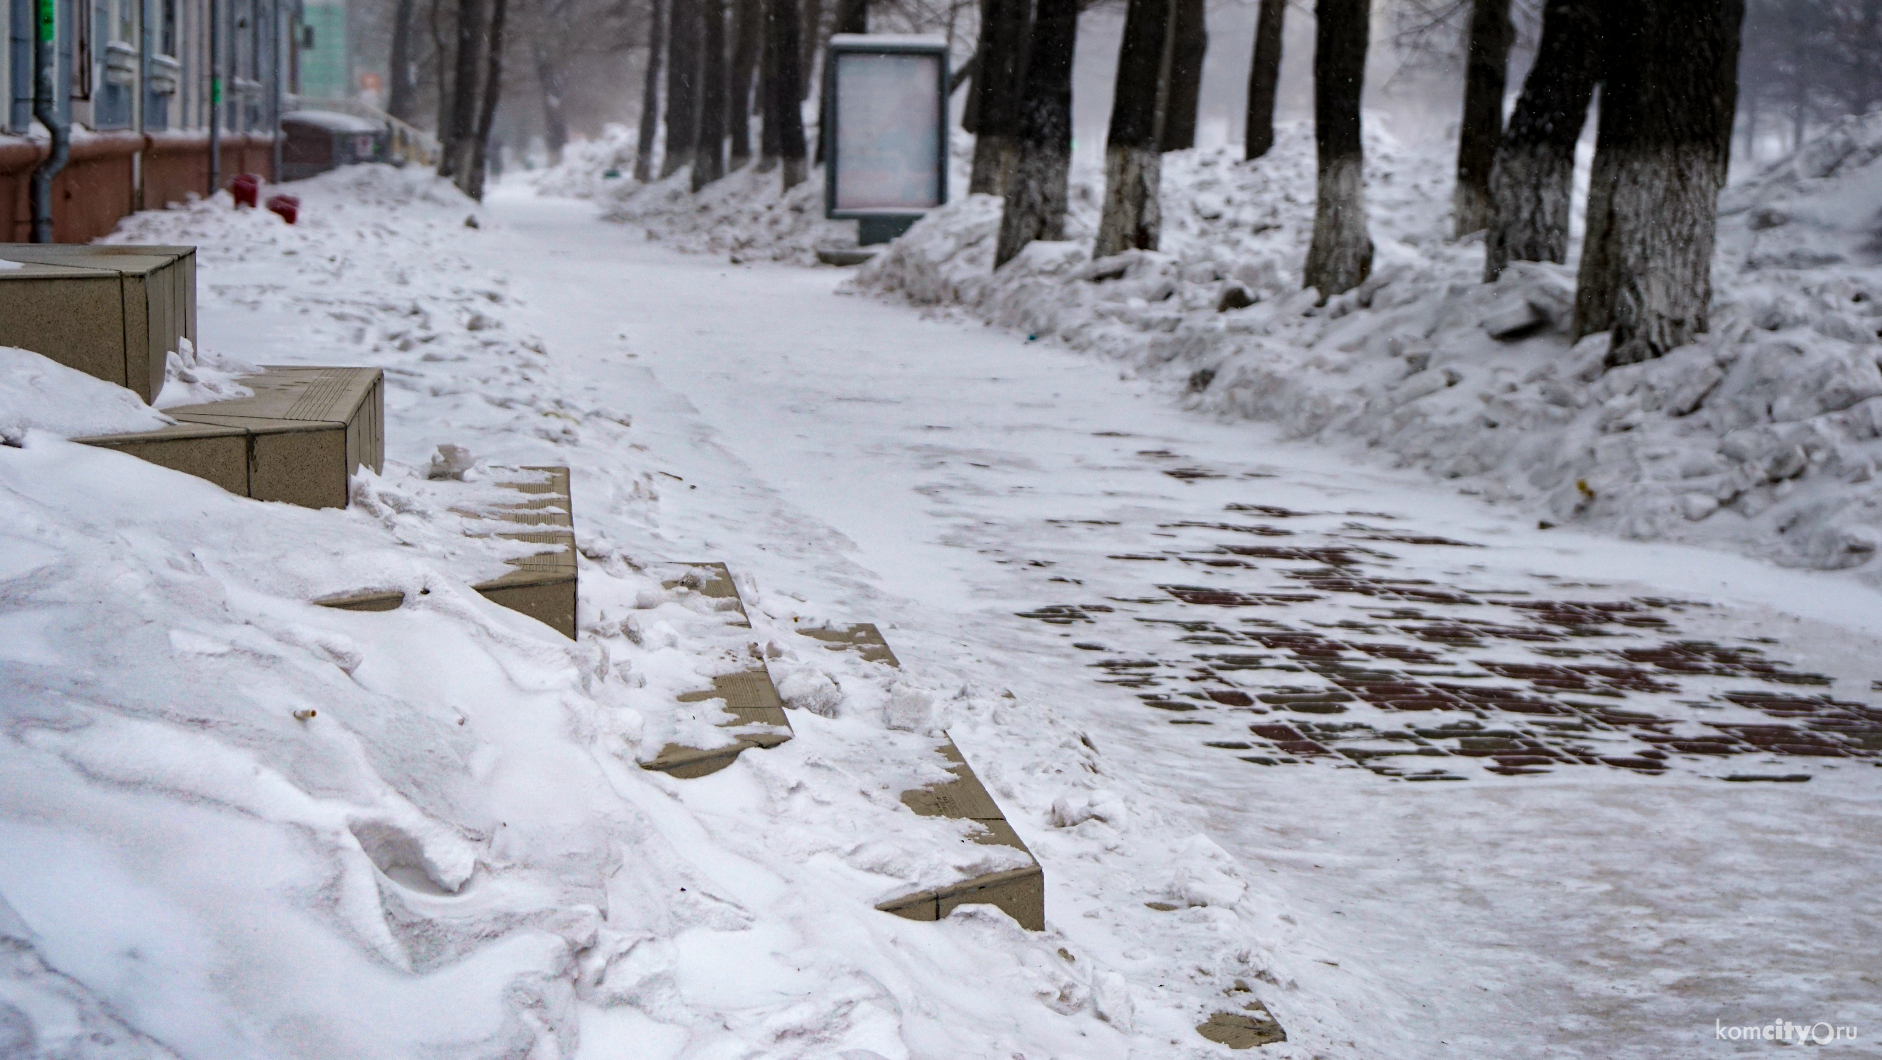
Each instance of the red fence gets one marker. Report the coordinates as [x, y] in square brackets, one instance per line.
[98, 185]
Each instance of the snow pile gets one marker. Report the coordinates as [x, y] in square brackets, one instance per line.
[746, 215]
[583, 171]
[38, 393]
[1762, 436]
[235, 824]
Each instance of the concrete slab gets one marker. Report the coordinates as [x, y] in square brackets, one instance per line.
[114, 312]
[300, 436]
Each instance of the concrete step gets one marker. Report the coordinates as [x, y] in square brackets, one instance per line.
[748, 695]
[114, 312]
[542, 586]
[1020, 893]
[297, 439]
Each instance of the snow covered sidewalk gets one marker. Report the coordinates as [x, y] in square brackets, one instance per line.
[458, 850]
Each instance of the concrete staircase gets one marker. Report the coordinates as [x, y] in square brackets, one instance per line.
[113, 312]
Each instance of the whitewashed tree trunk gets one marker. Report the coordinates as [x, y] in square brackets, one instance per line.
[1665, 142]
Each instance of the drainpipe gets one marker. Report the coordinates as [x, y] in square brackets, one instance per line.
[215, 96]
[46, 109]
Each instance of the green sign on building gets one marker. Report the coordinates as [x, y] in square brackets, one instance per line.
[326, 65]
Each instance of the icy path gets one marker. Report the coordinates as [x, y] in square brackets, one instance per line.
[924, 474]
[1010, 513]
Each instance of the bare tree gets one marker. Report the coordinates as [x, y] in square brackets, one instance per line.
[1133, 164]
[996, 87]
[810, 39]
[750, 30]
[714, 84]
[1486, 74]
[402, 93]
[650, 93]
[1183, 97]
[472, 179]
[783, 91]
[1532, 180]
[1660, 160]
[1340, 256]
[1264, 76]
[457, 140]
[685, 27]
[1036, 190]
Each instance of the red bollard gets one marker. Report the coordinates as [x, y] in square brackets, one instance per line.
[287, 206]
[246, 189]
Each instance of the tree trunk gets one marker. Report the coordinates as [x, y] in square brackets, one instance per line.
[555, 126]
[770, 141]
[750, 15]
[456, 141]
[1133, 167]
[1486, 76]
[1184, 91]
[472, 179]
[1660, 160]
[1341, 254]
[784, 92]
[1532, 180]
[995, 99]
[1042, 134]
[441, 49]
[684, 30]
[709, 152]
[1264, 76]
[650, 93]
[402, 93]
[809, 37]
[852, 16]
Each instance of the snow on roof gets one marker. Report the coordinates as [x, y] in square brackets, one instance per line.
[332, 121]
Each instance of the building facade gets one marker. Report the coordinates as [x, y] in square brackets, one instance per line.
[143, 84]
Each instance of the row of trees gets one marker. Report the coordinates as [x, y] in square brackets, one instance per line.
[1667, 75]
[1666, 72]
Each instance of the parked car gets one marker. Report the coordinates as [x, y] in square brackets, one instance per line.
[315, 141]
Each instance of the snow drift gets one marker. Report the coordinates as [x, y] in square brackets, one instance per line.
[1763, 436]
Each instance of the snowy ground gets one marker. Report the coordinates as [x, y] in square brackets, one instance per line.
[457, 853]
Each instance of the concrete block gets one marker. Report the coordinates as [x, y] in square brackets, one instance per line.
[751, 699]
[862, 638]
[301, 434]
[114, 312]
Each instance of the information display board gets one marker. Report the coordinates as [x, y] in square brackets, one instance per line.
[886, 134]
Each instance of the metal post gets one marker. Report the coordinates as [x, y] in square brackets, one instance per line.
[215, 96]
[46, 109]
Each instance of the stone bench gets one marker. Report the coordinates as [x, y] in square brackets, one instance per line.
[114, 312]
[297, 439]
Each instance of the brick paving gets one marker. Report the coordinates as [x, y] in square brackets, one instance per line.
[1296, 639]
